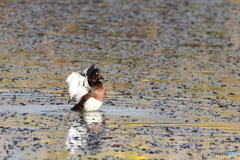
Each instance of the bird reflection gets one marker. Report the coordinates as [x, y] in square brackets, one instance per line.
[84, 133]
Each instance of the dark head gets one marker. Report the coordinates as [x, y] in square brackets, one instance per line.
[93, 74]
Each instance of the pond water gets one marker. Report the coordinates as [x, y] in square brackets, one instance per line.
[171, 69]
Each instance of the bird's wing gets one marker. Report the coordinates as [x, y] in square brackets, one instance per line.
[78, 86]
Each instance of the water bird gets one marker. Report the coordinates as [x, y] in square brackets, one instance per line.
[86, 89]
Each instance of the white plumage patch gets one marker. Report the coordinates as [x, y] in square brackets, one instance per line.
[78, 86]
[92, 104]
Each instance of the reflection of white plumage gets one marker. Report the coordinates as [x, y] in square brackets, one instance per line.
[84, 132]
[78, 85]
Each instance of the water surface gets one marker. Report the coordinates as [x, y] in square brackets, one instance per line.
[171, 71]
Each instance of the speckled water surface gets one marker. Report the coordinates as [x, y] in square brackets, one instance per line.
[171, 68]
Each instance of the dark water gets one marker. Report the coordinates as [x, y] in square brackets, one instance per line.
[171, 71]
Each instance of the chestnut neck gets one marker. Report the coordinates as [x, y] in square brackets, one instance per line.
[93, 83]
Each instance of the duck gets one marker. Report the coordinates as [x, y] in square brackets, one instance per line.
[86, 89]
